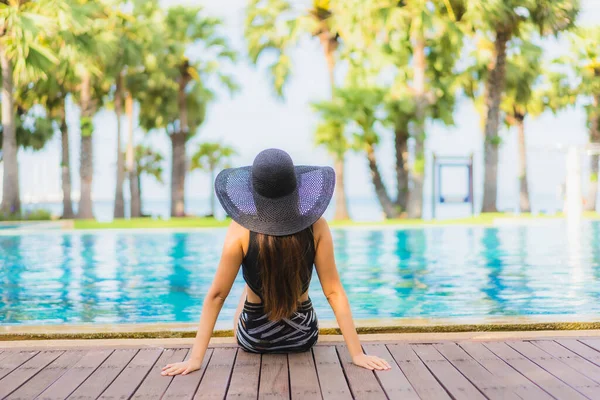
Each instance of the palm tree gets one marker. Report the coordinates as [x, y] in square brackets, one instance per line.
[208, 157]
[135, 36]
[51, 94]
[177, 93]
[147, 162]
[92, 91]
[24, 54]
[584, 60]
[502, 21]
[146, 14]
[353, 113]
[522, 98]
[274, 26]
[418, 42]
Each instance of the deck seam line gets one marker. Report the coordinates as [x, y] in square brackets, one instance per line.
[32, 376]
[91, 373]
[377, 375]
[460, 372]
[393, 359]
[564, 364]
[65, 371]
[119, 374]
[259, 374]
[231, 373]
[212, 353]
[585, 344]
[580, 355]
[432, 373]
[523, 375]
[162, 350]
[312, 353]
[27, 359]
[344, 371]
[171, 381]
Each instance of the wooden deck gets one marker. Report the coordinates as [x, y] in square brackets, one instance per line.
[516, 369]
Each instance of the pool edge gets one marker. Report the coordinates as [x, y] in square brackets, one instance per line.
[180, 331]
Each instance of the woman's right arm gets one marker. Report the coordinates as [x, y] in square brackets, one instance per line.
[231, 259]
[336, 296]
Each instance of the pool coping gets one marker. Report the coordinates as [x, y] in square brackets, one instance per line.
[66, 226]
[372, 326]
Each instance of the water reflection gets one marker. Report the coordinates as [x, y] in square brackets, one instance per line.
[90, 290]
[492, 254]
[442, 272]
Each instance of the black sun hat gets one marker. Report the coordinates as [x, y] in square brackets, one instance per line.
[273, 196]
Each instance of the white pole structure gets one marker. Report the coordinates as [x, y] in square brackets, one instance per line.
[574, 191]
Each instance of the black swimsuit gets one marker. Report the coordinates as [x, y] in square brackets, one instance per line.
[255, 332]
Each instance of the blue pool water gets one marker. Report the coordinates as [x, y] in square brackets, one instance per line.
[441, 272]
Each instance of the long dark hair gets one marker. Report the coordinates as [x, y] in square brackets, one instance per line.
[283, 271]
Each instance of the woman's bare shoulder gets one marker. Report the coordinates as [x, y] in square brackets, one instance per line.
[238, 235]
[320, 228]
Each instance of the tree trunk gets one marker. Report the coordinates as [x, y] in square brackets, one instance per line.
[523, 186]
[65, 166]
[137, 179]
[389, 209]
[11, 202]
[494, 90]
[178, 172]
[417, 172]
[341, 203]
[590, 204]
[86, 166]
[401, 145]
[212, 191]
[132, 174]
[119, 210]
[178, 156]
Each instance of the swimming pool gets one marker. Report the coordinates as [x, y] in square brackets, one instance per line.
[435, 272]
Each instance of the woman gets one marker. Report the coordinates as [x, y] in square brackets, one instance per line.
[276, 235]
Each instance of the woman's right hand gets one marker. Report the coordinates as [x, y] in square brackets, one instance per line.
[370, 362]
[183, 368]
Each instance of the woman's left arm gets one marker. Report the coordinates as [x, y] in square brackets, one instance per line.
[231, 259]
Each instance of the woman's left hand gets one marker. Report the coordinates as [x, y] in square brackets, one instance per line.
[371, 362]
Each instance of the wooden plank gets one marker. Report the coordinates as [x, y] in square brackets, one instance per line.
[533, 372]
[491, 386]
[424, 383]
[568, 357]
[47, 376]
[593, 343]
[519, 384]
[583, 350]
[554, 366]
[67, 383]
[393, 381]
[331, 376]
[25, 371]
[452, 380]
[244, 379]
[216, 379]
[363, 383]
[155, 385]
[304, 383]
[103, 376]
[274, 377]
[184, 386]
[13, 360]
[132, 376]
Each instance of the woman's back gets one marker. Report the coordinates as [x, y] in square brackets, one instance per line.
[281, 261]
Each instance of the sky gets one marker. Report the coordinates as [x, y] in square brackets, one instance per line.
[255, 119]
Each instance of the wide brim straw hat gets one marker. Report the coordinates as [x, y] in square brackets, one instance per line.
[273, 196]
